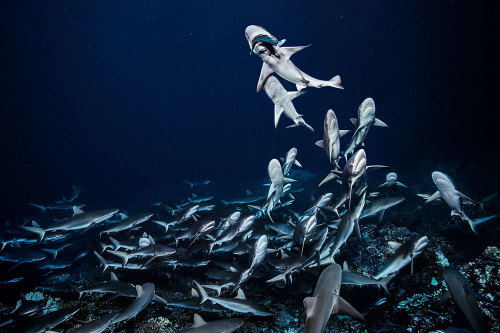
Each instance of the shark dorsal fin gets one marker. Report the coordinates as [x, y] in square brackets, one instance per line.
[394, 245]
[345, 267]
[151, 240]
[139, 290]
[241, 294]
[354, 121]
[194, 293]
[113, 277]
[123, 216]
[77, 211]
[198, 321]
[34, 224]
[288, 51]
[248, 192]
[309, 305]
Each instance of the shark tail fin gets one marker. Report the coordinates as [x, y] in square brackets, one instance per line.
[385, 281]
[37, 230]
[103, 261]
[123, 256]
[335, 82]
[41, 207]
[474, 222]
[203, 293]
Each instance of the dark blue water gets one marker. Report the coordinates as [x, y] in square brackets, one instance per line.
[124, 98]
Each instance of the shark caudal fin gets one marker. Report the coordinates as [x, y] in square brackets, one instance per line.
[335, 82]
[103, 261]
[35, 228]
[203, 294]
[474, 222]
[385, 281]
[122, 255]
[75, 288]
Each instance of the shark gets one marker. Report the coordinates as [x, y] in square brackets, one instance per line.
[404, 254]
[379, 206]
[282, 100]
[290, 159]
[391, 180]
[352, 177]
[98, 325]
[153, 251]
[233, 231]
[79, 220]
[453, 198]
[465, 298]
[366, 119]
[276, 59]
[128, 223]
[223, 326]
[236, 304]
[331, 138]
[348, 222]
[326, 300]
[357, 279]
[43, 323]
[145, 294]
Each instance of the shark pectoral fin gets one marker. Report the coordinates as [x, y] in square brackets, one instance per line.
[380, 215]
[379, 123]
[297, 163]
[345, 308]
[291, 50]
[264, 74]
[401, 184]
[198, 321]
[194, 293]
[343, 132]
[445, 298]
[329, 177]
[320, 143]
[278, 110]
[376, 166]
[309, 305]
[289, 180]
[433, 197]
[139, 290]
[394, 245]
[113, 277]
[294, 94]
[463, 196]
[354, 121]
